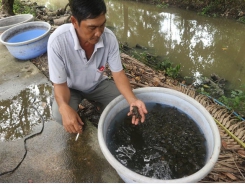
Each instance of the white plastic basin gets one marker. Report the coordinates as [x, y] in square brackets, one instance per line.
[169, 97]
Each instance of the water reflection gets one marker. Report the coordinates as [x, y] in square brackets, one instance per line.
[17, 118]
[200, 44]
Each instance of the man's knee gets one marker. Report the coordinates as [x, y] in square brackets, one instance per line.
[75, 99]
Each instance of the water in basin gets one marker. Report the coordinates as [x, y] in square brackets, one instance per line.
[26, 35]
[168, 145]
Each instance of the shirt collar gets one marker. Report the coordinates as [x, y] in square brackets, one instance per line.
[77, 45]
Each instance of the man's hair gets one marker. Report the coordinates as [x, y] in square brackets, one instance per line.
[87, 9]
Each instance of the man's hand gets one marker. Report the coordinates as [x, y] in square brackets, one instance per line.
[71, 120]
[125, 89]
[141, 109]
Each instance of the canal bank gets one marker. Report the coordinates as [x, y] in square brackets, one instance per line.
[216, 8]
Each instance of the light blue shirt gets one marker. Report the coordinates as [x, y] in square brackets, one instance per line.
[68, 63]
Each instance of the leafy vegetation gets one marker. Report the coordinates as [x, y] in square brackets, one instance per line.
[235, 101]
[241, 19]
[20, 8]
[160, 4]
[214, 8]
[155, 62]
[158, 63]
[208, 10]
[172, 71]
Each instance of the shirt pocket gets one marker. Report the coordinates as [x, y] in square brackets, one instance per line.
[98, 75]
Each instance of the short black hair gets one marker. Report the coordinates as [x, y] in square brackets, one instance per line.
[87, 9]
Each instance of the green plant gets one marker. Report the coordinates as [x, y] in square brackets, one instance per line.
[236, 101]
[170, 70]
[154, 62]
[233, 102]
[160, 4]
[212, 7]
[164, 64]
[20, 8]
[203, 91]
[205, 10]
[241, 19]
[173, 71]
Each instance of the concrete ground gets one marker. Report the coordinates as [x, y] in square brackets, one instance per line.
[53, 155]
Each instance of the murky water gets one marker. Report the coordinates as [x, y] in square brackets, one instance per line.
[202, 45]
[18, 118]
[168, 145]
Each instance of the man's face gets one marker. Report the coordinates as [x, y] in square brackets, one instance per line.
[90, 30]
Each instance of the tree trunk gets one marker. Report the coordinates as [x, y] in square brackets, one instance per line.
[70, 2]
[7, 7]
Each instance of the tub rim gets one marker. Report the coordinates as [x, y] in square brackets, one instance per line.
[4, 28]
[41, 23]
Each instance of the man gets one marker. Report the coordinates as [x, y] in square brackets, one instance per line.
[77, 55]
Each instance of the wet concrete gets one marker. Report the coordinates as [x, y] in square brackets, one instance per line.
[53, 155]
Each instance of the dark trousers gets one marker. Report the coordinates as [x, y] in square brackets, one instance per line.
[104, 93]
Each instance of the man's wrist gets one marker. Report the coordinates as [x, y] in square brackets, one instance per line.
[62, 107]
[132, 99]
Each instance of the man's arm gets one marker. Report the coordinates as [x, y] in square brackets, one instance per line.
[125, 89]
[70, 119]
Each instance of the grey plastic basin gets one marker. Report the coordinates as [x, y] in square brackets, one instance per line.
[9, 22]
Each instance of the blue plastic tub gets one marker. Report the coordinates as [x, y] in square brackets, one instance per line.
[28, 40]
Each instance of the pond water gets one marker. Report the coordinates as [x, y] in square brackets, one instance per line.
[201, 45]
